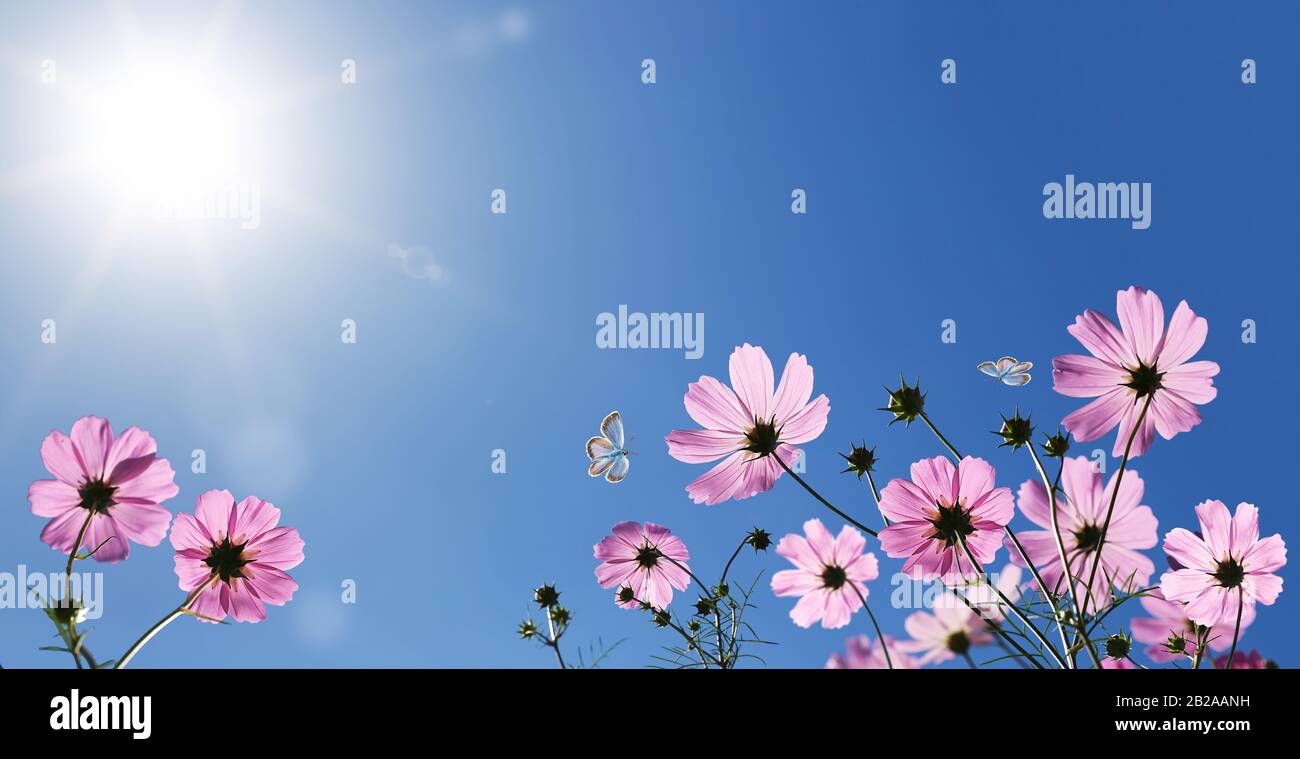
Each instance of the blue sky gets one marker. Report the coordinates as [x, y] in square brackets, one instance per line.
[924, 204]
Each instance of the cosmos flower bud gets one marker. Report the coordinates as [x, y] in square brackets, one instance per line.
[1057, 445]
[1118, 646]
[560, 615]
[906, 403]
[861, 460]
[704, 607]
[626, 595]
[759, 539]
[1016, 432]
[693, 625]
[1176, 644]
[65, 613]
[546, 596]
[527, 630]
[662, 618]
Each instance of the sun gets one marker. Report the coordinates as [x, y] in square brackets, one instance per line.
[160, 131]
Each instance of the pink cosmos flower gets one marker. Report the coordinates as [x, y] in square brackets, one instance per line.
[241, 546]
[825, 567]
[1168, 620]
[1252, 660]
[1081, 514]
[1126, 366]
[633, 556]
[950, 630]
[940, 507]
[119, 480]
[1109, 663]
[865, 653]
[1229, 568]
[748, 423]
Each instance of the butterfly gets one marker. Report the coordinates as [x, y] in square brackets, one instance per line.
[606, 451]
[1009, 370]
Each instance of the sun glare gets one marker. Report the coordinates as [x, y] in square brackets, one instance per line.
[160, 132]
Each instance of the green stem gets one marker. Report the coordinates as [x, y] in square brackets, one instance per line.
[1110, 511]
[824, 502]
[939, 435]
[554, 641]
[167, 620]
[713, 600]
[979, 573]
[997, 629]
[880, 637]
[1236, 632]
[1060, 553]
[966, 655]
[73, 639]
[876, 495]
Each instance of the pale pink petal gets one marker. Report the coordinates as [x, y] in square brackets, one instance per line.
[806, 423]
[848, 546]
[1266, 587]
[1192, 381]
[280, 548]
[253, 518]
[104, 531]
[720, 482]
[272, 585]
[145, 524]
[1142, 317]
[133, 443]
[1144, 436]
[1244, 529]
[974, 478]
[188, 533]
[91, 438]
[1101, 337]
[245, 606]
[840, 606]
[61, 459]
[795, 582]
[751, 378]
[795, 548]
[795, 387]
[1085, 376]
[1184, 585]
[213, 511]
[821, 541]
[50, 498]
[1267, 555]
[1098, 417]
[810, 608]
[1216, 527]
[60, 533]
[1184, 338]
[715, 406]
[901, 500]
[935, 477]
[191, 572]
[1190, 551]
[702, 446]
[1032, 498]
[1172, 413]
[1082, 485]
[612, 573]
[155, 482]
